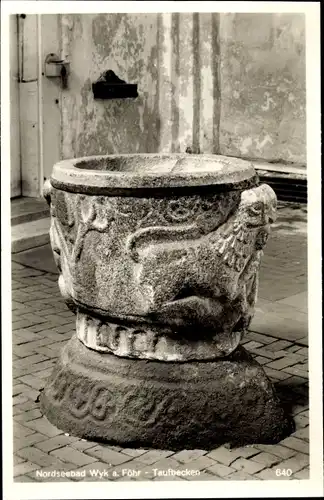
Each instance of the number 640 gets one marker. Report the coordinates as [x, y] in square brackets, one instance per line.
[283, 472]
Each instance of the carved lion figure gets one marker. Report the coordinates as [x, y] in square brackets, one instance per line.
[212, 277]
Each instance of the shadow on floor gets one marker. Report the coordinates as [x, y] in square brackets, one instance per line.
[40, 258]
[292, 394]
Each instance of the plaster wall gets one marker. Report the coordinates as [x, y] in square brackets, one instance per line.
[231, 83]
[263, 87]
[174, 60]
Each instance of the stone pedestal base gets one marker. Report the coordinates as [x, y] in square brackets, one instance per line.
[163, 405]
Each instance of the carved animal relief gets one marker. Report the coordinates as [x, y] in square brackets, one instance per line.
[187, 260]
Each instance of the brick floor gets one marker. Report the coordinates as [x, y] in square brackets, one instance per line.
[277, 339]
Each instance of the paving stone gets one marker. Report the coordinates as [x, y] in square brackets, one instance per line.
[282, 363]
[66, 328]
[24, 468]
[45, 329]
[153, 456]
[276, 374]
[267, 459]
[294, 348]
[259, 337]
[22, 323]
[302, 433]
[271, 324]
[301, 421]
[164, 464]
[28, 415]
[46, 310]
[82, 445]
[68, 314]
[24, 442]
[240, 476]
[303, 351]
[302, 474]
[32, 296]
[36, 456]
[56, 320]
[44, 365]
[17, 308]
[53, 350]
[303, 413]
[279, 345]
[248, 466]
[296, 444]
[271, 355]
[29, 405]
[28, 272]
[55, 442]
[298, 300]
[44, 374]
[295, 463]
[21, 398]
[186, 456]
[24, 479]
[300, 358]
[43, 426]
[34, 318]
[18, 460]
[223, 455]
[107, 455]
[36, 288]
[292, 381]
[21, 430]
[261, 360]
[76, 457]
[32, 381]
[113, 447]
[300, 409]
[132, 452]
[252, 345]
[50, 353]
[245, 451]
[201, 464]
[17, 339]
[15, 266]
[30, 348]
[298, 370]
[24, 335]
[278, 450]
[220, 470]
[32, 395]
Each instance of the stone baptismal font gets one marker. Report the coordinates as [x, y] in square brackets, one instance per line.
[159, 258]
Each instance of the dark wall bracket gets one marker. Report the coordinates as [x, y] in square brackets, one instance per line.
[109, 86]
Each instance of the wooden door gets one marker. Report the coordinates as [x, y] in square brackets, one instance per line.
[35, 102]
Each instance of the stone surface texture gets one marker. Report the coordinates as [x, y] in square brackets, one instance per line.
[42, 326]
[159, 258]
[153, 399]
[182, 269]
